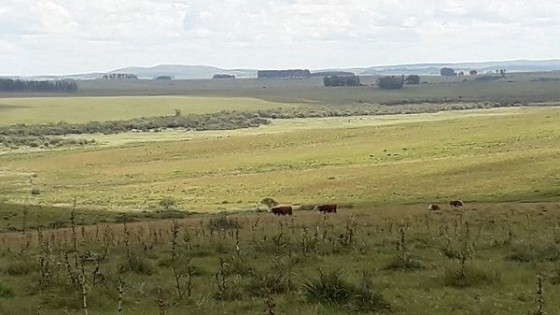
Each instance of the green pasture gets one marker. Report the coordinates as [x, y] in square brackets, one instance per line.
[495, 155]
[41, 110]
[497, 258]
[515, 88]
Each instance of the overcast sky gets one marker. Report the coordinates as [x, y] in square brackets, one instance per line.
[74, 36]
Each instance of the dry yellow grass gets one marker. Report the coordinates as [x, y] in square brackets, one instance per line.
[511, 156]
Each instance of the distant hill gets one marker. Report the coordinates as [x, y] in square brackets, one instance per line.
[197, 72]
[481, 67]
[185, 72]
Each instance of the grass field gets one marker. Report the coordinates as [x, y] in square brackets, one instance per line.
[497, 155]
[485, 259]
[39, 110]
[515, 88]
[382, 253]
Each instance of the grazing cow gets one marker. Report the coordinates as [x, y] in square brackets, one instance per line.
[434, 206]
[281, 210]
[328, 208]
[456, 204]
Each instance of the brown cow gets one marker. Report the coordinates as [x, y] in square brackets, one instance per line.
[281, 210]
[456, 204]
[327, 208]
[434, 206]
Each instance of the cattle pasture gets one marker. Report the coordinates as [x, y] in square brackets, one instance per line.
[494, 155]
[483, 259]
[42, 110]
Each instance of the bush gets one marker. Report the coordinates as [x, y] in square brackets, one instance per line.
[329, 288]
[167, 202]
[35, 191]
[332, 289]
[5, 292]
[403, 264]
[265, 283]
[18, 268]
[223, 222]
[471, 275]
[138, 265]
[412, 79]
[535, 253]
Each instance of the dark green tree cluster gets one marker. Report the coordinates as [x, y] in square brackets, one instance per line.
[447, 72]
[120, 76]
[412, 79]
[223, 76]
[9, 85]
[163, 77]
[336, 80]
[390, 83]
[331, 73]
[284, 74]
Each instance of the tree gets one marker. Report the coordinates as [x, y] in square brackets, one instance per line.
[412, 79]
[390, 83]
[473, 72]
[347, 80]
[447, 72]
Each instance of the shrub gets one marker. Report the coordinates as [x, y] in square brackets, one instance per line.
[223, 222]
[265, 283]
[35, 191]
[332, 289]
[167, 202]
[18, 268]
[471, 275]
[535, 253]
[404, 264]
[5, 292]
[138, 265]
[329, 288]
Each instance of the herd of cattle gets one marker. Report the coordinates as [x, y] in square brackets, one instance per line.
[331, 208]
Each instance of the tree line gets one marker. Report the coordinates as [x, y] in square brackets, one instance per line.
[284, 74]
[344, 80]
[10, 85]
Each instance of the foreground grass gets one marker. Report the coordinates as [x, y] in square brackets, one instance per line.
[41, 110]
[425, 158]
[261, 264]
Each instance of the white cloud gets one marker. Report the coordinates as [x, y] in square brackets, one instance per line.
[65, 36]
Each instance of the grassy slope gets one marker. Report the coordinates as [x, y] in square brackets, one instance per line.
[85, 109]
[513, 156]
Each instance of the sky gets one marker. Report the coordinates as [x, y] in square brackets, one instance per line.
[40, 37]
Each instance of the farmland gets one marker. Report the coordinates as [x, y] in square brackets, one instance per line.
[169, 220]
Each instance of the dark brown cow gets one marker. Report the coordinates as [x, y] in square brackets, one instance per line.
[281, 210]
[328, 208]
[456, 204]
[434, 206]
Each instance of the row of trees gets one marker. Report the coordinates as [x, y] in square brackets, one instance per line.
[284, 74]
[9, 85]
[223, 76]
[120, 76]
[346, 80]
[394, 82]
